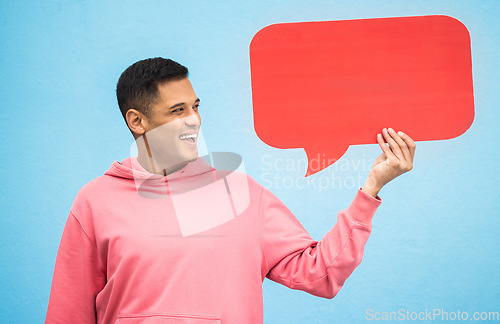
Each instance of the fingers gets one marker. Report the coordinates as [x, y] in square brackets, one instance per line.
[409, 142]
[402, 145]
[387, 151]
[392, 144]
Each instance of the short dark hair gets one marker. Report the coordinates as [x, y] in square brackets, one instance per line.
[137, 87]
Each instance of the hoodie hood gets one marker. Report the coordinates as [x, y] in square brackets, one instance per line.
[130, 168]
[194, 175]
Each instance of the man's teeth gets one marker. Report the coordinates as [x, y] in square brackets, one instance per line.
[190, 136]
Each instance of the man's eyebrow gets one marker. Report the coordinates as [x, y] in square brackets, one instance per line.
[180, 104]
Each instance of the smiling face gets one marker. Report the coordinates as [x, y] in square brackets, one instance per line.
[173, 125]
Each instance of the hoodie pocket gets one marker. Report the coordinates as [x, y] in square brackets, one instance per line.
[166, 319]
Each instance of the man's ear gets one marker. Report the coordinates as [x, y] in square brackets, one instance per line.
[136, 121]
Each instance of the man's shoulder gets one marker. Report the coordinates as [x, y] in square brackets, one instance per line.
[93, 190]
[95, 185]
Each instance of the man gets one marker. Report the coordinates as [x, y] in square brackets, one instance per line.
[158, 239]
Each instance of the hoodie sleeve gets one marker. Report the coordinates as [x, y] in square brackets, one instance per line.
[297, 261]
[77, 278]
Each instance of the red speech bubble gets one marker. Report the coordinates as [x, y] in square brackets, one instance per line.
[323, 86]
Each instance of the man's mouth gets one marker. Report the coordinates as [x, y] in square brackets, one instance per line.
[189, 138]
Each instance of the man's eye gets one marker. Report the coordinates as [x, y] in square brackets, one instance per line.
[177, 110]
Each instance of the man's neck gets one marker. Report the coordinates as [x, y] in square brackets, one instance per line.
[157, 167]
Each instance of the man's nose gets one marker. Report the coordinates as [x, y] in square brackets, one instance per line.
[193, 118]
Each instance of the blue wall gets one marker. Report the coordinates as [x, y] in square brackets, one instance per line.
[435, 238]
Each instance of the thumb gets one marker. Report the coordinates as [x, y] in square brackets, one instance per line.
[381, 158]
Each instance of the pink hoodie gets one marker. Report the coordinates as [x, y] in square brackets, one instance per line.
[192, 247]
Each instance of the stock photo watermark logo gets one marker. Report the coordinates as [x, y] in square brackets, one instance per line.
[341, 174]
[436, 314]
[209, 191]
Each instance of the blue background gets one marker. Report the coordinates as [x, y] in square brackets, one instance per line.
[435, 238]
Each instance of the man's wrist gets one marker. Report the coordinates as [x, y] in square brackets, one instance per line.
[371, 187]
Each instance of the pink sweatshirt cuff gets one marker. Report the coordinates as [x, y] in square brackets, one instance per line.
[363, 207]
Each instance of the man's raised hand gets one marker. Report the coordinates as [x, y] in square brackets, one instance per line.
[396, 159]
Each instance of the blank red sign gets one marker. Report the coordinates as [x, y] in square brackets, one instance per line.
[323, 86]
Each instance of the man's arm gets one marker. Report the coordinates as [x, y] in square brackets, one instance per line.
[77, 278]
[295, 260]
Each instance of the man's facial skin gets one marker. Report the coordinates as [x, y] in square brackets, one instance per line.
[172, 128]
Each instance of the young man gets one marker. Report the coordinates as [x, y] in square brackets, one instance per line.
[165, 238]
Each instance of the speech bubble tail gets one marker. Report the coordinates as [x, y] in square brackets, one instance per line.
[310, 172]
[318, 160]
